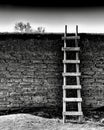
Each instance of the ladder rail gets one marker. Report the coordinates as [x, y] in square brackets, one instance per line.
[77, 69]
[64, 79]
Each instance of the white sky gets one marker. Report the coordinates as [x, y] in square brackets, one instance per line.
[54, 19]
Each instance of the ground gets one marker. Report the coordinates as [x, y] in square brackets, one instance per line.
[31, 122]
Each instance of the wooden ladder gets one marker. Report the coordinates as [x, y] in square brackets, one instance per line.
[77, 86]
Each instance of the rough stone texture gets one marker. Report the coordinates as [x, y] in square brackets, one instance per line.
[92, 69]
[31, 70]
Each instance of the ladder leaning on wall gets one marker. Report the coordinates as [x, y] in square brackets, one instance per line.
[77, 86]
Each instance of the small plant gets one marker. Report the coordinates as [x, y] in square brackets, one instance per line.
[22, 27]
[40, 30]
[26, 28]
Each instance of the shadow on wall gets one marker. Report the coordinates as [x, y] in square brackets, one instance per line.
[46, 112]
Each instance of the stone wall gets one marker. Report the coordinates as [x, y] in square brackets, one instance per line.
[92, 69]
[31, 70]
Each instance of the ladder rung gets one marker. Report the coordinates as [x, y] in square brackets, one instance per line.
[71, 37]
[71, 61]
[71, 74]
[72, 99]
[70, 48]
[71, 86]
[72, 113]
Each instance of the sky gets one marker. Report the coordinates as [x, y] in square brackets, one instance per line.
[89, 19]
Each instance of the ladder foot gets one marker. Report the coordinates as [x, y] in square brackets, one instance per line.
[64, 119]
[80, 119]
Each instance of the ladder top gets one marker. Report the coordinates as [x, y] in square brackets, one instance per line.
[70, 37]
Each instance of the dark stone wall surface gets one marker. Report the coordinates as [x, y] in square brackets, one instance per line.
[92, 69]
[31, 70]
